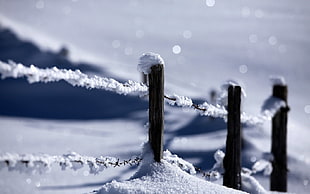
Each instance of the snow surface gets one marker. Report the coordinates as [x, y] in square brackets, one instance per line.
[147, 61]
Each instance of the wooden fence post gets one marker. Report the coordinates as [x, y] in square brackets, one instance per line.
[278, 178]
[144, 79]
[232, 159]
[156, 110]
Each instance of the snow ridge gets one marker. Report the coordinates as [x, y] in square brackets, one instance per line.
[75, 78]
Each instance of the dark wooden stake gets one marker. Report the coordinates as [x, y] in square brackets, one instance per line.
[232, 159]
[156, 110]
[144, 79]
[278, 178]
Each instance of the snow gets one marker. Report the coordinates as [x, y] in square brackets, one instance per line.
[277, 80]
[214, 110]
[40, 163]
[75, 78]
[147, 61]
[251, 185]
[204, 46]
[163, 177]
[219, 157]
[262, 165]
[228, 83]
[272, 105]
[204, 109]
[181, 101]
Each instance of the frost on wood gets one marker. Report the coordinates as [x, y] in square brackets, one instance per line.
[75, 78]
[30, 163]
[147, 60]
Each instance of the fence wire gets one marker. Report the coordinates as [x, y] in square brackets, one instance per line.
[41, 163]
[76, 78]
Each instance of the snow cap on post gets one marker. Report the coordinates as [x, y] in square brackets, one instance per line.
[147, 60]
[277, 80]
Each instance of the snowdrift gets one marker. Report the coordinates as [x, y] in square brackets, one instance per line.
[164, 177]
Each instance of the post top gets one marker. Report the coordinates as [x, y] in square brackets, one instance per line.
[147, 60]
[277, 80]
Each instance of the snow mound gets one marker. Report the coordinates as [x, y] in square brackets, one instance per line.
[147, 60]
[164, 177]
[251, 185]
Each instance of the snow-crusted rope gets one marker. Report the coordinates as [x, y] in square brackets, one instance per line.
[205, 109]
[42, 163]
[218, 111]
[75, 78]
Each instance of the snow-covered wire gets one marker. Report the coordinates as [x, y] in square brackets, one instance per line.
[41, 163]
[75, 78]
[269, 109]
[205, 109]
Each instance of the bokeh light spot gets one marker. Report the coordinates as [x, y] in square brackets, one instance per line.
[243, 68]
[187, 34]
[273, 40]
[176, 49]
[28, 181]
[307, 109]
[210, 3]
